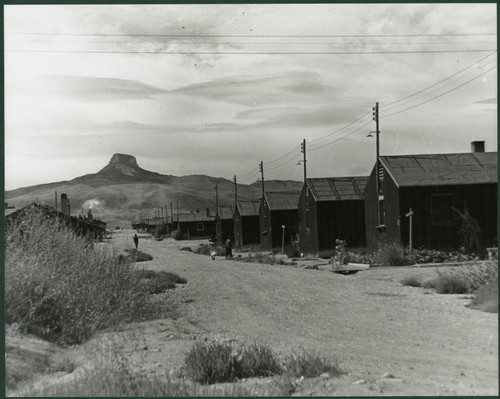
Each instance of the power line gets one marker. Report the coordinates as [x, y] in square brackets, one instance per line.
[449, 91]
[342, 128]
[341, 138]
[288, 153]
[441, 81]
[238, 36]
[447, 43]
[254, 52]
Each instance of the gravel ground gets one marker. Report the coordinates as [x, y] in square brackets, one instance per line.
[391, 339]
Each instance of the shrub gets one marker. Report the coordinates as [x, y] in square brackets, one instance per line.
[412, 281]
[465, 279]
[60, 287]
[486, 297]
[311, 365]
[138, 256]
[258, 360]
[292, 251]
[215, 362]
[265, 259]
[112, 376]
[177, 235]
[158, 282]
[204, 249]
[224, 362]
[392, 254]
[188, 249]
[449, 283]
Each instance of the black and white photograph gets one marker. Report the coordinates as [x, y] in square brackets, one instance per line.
[250, 199]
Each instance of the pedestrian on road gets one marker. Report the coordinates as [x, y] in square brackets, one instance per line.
[229, 248]
[212, 243]
[136, 241]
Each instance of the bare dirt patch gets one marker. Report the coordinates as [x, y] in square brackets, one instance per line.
[392, 339]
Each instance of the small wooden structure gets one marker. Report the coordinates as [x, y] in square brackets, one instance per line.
[434, 187]
[279, 219]
[246, 223]
[332, 209]
[224, 224]
[93, 229]
[195, 225]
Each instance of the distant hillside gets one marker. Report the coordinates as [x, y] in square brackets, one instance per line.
[120, 191]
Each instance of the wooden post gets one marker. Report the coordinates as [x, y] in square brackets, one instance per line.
[410, 215]
[283, 239]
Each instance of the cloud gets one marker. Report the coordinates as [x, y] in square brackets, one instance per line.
[303, 116]
[295, 87]
[487, 101]
[89, 88]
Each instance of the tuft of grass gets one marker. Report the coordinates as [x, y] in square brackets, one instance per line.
[215, 362]
[411, 281]
[224, 362]
[111, 375]
[60, 287]
[465, 279]
[138, 256]
[265, 259]
[312, 364]
[188, 249]
[158, 282]
[257, 360]
[486, 297]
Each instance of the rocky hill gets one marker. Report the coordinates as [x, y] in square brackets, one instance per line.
[120, 191]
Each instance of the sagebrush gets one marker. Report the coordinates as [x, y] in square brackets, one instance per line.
[465, 279]
[392, 254]
[218, 362]
[59, 286]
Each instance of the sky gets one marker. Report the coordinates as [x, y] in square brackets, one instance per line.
[217, 89]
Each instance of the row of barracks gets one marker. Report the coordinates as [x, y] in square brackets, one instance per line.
[365, 210]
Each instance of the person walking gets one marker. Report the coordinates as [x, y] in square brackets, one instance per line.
[212, 243]
[229, 248]
[136, 241]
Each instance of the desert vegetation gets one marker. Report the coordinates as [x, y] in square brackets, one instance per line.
[58, 286]
[480, 279]
[228, 362]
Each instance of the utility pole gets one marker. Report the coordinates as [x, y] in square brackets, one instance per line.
[410, 215]
[178, 227]
[235, 192]
[306, 188]
[216, 202]
[377, 165]
[56, 200]
[261, 168]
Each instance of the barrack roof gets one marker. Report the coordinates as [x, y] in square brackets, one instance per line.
[442, 169]
[278, 201]
[338, 188]
[248, 208]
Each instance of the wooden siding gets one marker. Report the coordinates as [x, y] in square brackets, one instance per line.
[224, 228]
[246, 230]
[271, 222]
[190, 229]
[344, 220]
[480, 200]
[308, 226]
[391, 233]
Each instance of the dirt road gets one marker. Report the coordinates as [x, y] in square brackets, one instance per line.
[392, 339]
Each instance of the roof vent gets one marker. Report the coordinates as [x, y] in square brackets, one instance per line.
[477, 146]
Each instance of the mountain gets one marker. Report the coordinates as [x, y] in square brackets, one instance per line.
[122, 190]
